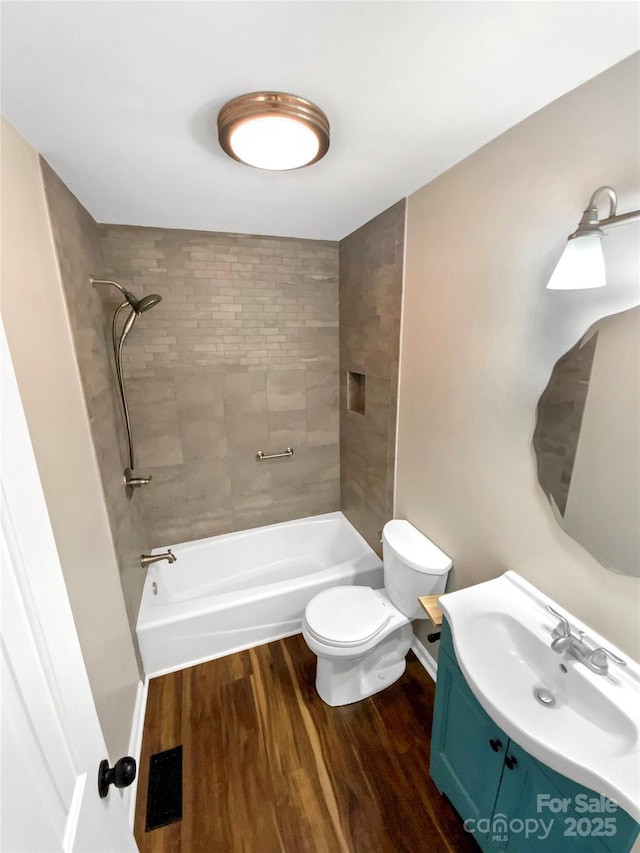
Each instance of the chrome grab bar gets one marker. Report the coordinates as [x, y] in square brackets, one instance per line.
[260, 455]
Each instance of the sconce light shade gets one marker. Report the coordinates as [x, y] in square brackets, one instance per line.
[273, 130]
[581, 265]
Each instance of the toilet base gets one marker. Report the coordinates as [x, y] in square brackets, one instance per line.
[342, 682]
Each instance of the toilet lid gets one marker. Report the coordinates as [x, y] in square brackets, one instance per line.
[346, 615]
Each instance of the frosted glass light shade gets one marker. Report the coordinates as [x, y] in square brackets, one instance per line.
[581, 265]
[273, 130]
[274, 142]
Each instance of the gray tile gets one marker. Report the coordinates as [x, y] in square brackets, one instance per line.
[370, 301]
[376, 500]
[323, 389]
[203, 439]
[352, 504]
[323, 426]
[163, 411]
[251, 483]
[378, 417]
[286, 390]
[247, 433]
[164, 533]
[199, 395]
[258, 517]
[157, 444]
[165, 495]
[151, 391]
[208, 485]
[307, 466]
[244, 392]
[212, 525]
[287, 429]
[246, 503]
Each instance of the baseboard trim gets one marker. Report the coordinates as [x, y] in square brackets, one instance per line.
[425, 658]
[135, 746]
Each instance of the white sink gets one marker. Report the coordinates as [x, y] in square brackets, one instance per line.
[590, 731]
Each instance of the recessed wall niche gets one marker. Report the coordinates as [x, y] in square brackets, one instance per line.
[356, 392]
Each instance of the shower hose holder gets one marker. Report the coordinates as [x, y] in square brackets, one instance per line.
[131, 482]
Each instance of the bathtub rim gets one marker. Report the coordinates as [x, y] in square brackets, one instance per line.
[147, 607]
[336, 515]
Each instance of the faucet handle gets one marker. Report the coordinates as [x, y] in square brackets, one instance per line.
[563, 629]
[599, 658]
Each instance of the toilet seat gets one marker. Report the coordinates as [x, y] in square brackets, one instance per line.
[346, 616]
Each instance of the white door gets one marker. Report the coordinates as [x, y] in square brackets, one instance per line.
[51, 743]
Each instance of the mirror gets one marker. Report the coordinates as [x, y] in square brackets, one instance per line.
[587, 441]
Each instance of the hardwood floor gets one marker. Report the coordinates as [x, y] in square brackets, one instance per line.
[269, 768]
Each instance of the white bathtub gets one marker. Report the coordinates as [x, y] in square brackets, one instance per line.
[238, 590]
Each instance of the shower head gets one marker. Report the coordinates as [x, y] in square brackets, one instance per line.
[142, 305]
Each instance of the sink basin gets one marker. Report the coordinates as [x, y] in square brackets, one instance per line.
[585, 726]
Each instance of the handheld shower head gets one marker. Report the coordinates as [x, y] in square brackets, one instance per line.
[138, 305]
[146, 302]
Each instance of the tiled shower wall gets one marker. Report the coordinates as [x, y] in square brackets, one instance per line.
[241, 355]
[371, 261]
[77, 241]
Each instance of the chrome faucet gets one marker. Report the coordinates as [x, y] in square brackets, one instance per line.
[147, 559]
[597, 660]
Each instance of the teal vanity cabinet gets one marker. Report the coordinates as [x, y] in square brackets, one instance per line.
[509, 800]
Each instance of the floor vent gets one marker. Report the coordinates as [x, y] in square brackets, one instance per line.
[164, 794]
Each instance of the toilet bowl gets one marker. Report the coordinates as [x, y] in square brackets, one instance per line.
[360, 635]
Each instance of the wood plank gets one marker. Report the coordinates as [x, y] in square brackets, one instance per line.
[269, 768]
[430, 604]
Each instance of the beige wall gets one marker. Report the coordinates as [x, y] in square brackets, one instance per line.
[603, 507]
[370, 300]
[77, 239]
[481, 335]
[39, 335]
[241, 355]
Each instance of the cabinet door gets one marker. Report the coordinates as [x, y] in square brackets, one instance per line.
[532, 814]
[467, 750]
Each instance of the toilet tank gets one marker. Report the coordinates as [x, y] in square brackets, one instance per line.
[413, 566]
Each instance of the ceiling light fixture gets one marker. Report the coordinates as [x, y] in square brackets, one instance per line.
[581, 264]
[273, 130]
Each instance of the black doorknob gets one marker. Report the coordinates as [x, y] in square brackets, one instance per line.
[121, 774]
[511, 761]
[496, 745]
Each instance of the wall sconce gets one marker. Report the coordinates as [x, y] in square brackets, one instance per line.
[581, 265]
[273, 130]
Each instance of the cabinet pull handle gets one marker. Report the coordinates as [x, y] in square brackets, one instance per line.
[496, 745]
[511, 761]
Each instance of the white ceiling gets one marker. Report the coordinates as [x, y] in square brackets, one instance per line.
[121, 97]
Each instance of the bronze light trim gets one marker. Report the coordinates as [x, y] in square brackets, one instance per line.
[272, 104]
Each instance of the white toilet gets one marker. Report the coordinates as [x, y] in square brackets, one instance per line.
[362, 635]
